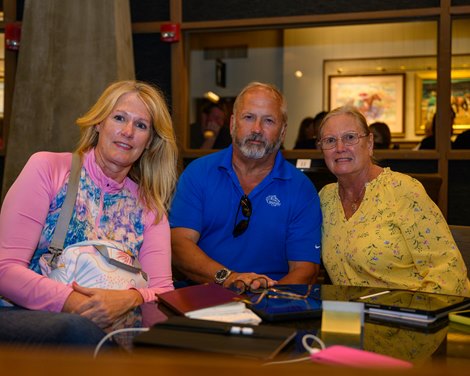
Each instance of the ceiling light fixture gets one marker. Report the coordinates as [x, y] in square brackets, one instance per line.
[213, 97]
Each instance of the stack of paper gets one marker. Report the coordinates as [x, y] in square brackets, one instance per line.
[209, 302]
[232, 312]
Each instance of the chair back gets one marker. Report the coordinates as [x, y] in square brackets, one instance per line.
[461, 236]
[431, 183]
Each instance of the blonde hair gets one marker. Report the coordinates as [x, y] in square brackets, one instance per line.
[269, 87]
[155, 171]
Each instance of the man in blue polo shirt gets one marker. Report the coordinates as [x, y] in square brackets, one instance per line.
[245, 212]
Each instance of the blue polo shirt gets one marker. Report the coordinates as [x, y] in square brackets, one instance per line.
[285, 223]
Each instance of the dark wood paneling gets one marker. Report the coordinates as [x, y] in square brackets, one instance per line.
[211, 10]
[149, 10]
[19, 9]
[152, 59]
[458, 193]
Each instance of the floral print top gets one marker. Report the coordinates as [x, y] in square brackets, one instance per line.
[117, 215]
[398, 238]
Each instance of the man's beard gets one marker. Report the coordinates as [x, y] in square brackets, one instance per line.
[255, 151]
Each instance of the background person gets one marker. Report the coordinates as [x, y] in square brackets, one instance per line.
[245, 211]
[129, 157]
[212, 132]
[429, 142]
[306, 136]
[382, 135]
[308, 132]
[380, 228]
[462, 141]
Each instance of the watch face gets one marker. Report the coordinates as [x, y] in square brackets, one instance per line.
[222, 275]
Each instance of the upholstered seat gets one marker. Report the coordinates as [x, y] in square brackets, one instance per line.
[461, 236]
[431, 183]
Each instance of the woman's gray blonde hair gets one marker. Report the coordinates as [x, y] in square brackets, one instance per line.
[349, 111]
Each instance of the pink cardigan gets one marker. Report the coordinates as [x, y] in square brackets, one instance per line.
[22, 218]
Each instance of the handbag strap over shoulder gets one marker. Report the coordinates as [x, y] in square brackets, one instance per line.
[58, 238]
[136, 267]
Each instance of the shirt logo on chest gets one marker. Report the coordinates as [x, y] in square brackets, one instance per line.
[273, 200]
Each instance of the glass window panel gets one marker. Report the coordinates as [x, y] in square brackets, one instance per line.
[301, 61]
[460, 87]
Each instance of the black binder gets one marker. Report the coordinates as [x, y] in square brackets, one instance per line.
[260, 342]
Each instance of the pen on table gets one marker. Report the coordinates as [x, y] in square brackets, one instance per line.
[232, 329]
[243, 330]
[237, 330]
[251, 332]
[374, 295]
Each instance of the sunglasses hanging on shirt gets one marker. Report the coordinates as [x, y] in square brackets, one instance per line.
[245, 206]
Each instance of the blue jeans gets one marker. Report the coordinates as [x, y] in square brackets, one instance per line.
[24, 328]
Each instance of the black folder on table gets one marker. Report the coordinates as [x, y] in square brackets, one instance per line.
[261, 342]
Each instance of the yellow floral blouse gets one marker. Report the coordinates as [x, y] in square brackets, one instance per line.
[398, 238]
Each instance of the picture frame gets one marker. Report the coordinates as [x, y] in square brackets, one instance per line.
[2, 94]
[220, 73]
[377, 97]
[426, 88]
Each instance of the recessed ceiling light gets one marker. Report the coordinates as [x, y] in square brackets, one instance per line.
[213, 97]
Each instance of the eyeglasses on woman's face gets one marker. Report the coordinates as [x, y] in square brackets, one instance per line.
[245, 207]
[348, 139]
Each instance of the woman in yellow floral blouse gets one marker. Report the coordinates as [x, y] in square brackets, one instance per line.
[380, 228]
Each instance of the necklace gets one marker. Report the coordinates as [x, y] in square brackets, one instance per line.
[355, 202]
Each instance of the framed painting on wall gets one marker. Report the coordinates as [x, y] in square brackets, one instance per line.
[377, 97]
[426, 96]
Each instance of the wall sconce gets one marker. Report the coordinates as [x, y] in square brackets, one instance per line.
[170, 33]
[12, 36]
